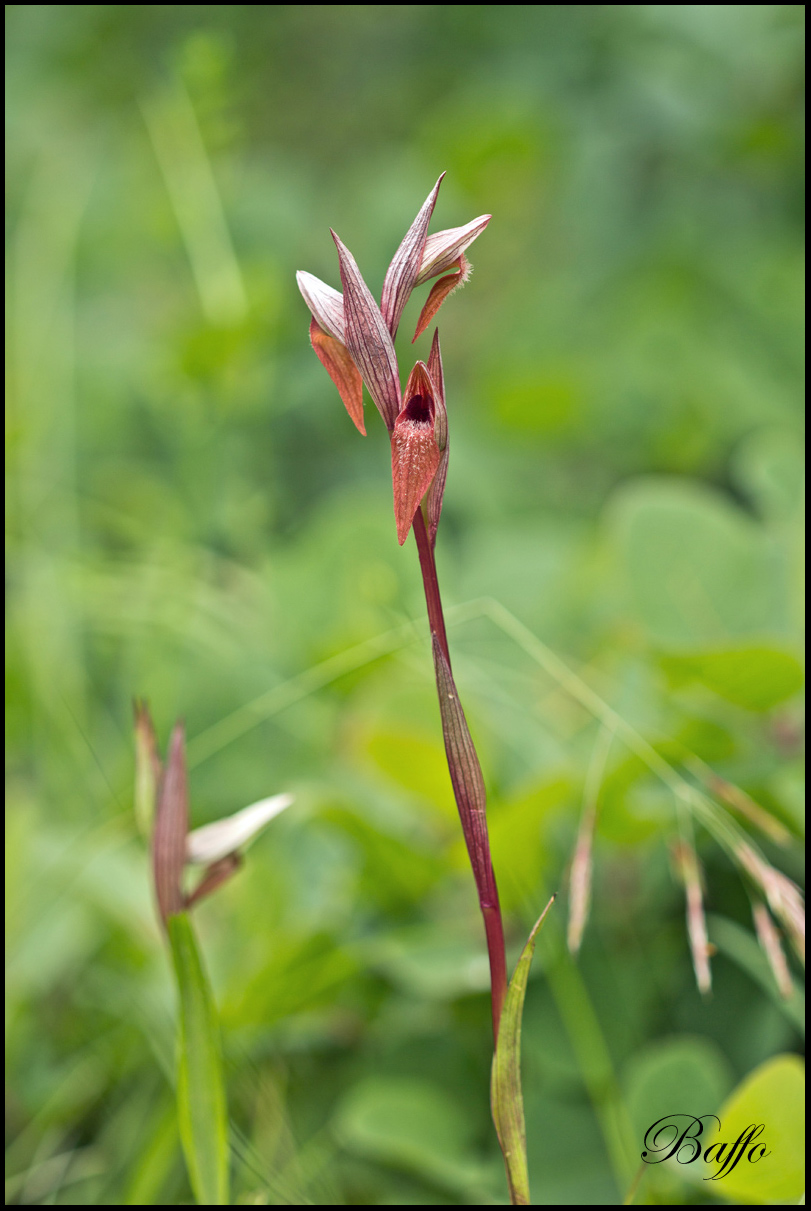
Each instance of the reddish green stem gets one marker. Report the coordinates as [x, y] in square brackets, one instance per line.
[494, 931]
[436, 619]
[491, 912]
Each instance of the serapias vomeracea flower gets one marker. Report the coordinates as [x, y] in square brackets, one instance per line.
[353, 338]
[162, 808]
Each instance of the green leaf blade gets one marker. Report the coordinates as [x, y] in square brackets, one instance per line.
[505, 1089]
[773, 1095]
[201, 1102]
[757, 677]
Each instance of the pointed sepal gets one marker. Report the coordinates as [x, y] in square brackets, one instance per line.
[148, 768]
[402, 273]
[212, 842]
[171, 827]
[436, 492]
[580, 884]
[368, 338]
[326, 304]
[685, 861]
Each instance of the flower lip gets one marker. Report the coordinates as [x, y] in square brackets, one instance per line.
[415, 454]
[420, 385]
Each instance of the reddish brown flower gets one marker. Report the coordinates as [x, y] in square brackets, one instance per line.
[353, 338]
[415, 453]
[216, 847]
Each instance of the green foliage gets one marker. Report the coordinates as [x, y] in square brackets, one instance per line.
[698, 568]
[202, 1113]
[505, 1086]
[681, 1071]
[412, 1125]
[756, 678]
[192, 517]
[741, 948]
[774, 1094]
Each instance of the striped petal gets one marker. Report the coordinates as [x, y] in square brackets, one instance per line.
[368, 338]
[171, 826]
[445, 247]
[401, 275]
[433, 501]
[326, 304]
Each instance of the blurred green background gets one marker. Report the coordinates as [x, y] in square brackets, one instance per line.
[194, 518]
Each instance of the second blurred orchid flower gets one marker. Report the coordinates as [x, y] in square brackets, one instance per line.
[162, 796]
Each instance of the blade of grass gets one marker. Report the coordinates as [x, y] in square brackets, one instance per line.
[42, 477]
[582, 1024]
[505, 1089]
[200, 1089]
[715, 819]
[189, 175]
[631, 1195]
[230, 728]
[154, 1163]
[739, 946]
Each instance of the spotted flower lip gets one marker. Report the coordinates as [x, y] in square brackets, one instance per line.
[415, 452]
[353, 337]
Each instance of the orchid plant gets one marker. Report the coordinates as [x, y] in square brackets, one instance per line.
[162, 813]
[353, 338]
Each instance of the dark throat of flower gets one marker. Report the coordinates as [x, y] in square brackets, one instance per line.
[419, 410]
